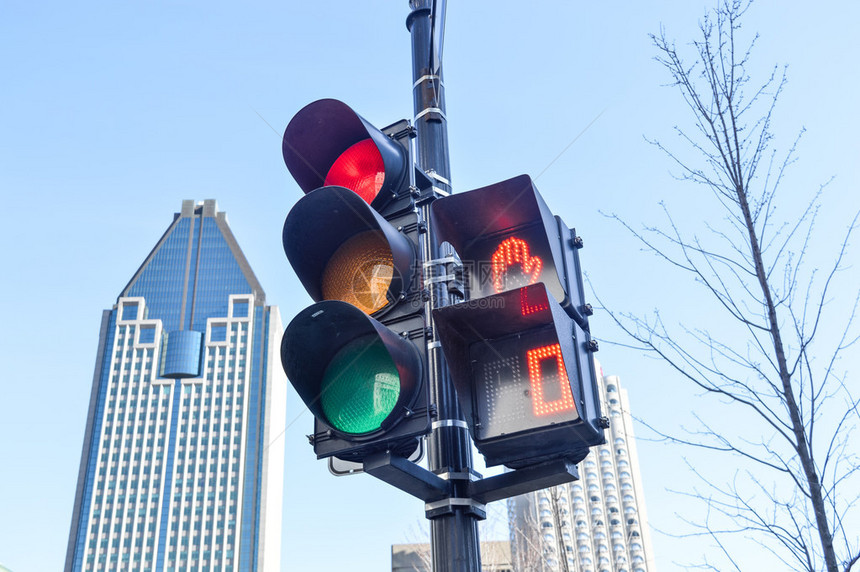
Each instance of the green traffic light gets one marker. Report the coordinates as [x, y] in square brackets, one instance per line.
[360, 386]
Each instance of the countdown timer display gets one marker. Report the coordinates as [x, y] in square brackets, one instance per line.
[521, 383]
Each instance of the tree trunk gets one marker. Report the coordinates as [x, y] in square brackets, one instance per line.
[801, 444]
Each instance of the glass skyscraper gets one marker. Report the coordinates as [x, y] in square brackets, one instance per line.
[183, 456]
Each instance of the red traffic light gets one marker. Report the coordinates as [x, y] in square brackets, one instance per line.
[360, 169]
[327, 143]
[524, 375]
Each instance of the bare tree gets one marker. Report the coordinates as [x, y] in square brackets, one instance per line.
[775, 364]
[556, 494]
[528, 552]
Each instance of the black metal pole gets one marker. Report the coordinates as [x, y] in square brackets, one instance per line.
[454, 520]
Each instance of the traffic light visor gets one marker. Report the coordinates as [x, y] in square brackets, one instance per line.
[327, 143]
[511, 240]
[353, 373]
[342, 249]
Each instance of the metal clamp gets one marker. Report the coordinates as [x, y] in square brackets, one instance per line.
[424, 78]
[437, 279]
[436, 176]
[469, 475]
[438, 261]
[450, 423]
[455, 502]
[435, 110]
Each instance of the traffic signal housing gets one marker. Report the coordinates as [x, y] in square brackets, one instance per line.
[519, 350]
[355, 357]
[363, 381]
[509, 239]
[328, 144]
[342, 249]
[523, 372]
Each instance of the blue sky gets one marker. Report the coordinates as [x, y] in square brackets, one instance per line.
[112, 113]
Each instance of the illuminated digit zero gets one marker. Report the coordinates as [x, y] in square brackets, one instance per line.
[540, 406]
[514, 251]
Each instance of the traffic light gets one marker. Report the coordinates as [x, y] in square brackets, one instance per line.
[508, 239]
[362, 381]
[329, 144]
[355, 357]
[342, 249]
[519, 359]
